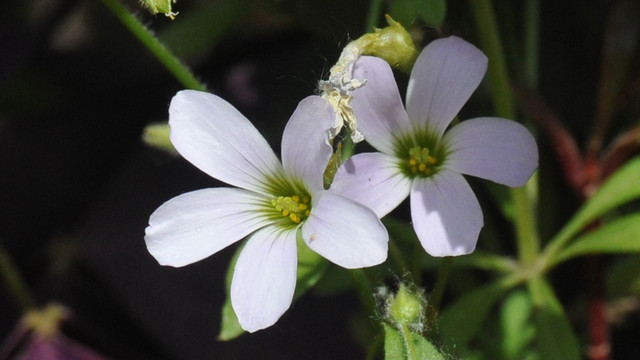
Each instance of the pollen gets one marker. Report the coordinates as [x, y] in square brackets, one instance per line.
[295, 207]
[421, 162]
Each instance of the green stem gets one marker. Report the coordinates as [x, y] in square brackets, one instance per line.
[172, 63]
[373, 16]
[526, 233]
[441, 283]
[14, 283]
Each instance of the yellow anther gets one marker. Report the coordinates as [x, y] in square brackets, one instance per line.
[431, 160]
[306, 199]
[303, 206]
[306, 213]
[422, 167]
[294, 218]
[285, 212]
[412, 161]
[295, 198]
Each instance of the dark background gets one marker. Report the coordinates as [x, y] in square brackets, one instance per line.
[77, 185]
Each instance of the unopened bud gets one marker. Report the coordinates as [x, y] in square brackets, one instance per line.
[160, 6]
[393, 44]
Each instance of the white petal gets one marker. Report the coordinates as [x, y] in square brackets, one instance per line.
[264, 278]
[446, 215]
[345, 232]
[305, 142]
[374, 180]
[195, 225]
[444, 76]
[496, 149]
[212, 135]
[377, 105]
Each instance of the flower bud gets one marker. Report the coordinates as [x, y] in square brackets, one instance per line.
[160, 6]
[406, 307]
[157, 136]
[393, 44]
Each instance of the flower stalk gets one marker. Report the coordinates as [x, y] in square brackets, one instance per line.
[524, 214]
[164, 55]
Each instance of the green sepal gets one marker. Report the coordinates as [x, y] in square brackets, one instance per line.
[408, 345]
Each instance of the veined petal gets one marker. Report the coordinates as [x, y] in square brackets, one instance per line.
[377, 105]
[491, 148]
[446, 215]
[374, 180]
[345, 232]
[195, 225]
[444, 76]
[264, 278]
[305, 142]
[212, 135]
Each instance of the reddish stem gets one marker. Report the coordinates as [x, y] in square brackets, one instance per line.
[599, 348]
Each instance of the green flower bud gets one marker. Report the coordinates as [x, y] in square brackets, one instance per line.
[393, 44]
[157, 136]
[160, 6]
[406, 307]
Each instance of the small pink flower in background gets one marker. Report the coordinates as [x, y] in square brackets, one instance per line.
[272, 202]
[420, 157]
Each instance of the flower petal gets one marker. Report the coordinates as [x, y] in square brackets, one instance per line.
[446, 215]
[377, 105]
[444, 76]
[495, 149]
[305, 141]
[212, 135]
[345, 232]
[195, 225]
[374, 180]
[264, 278]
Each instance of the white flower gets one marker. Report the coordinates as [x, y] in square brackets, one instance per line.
[418, 157]
[272, 202]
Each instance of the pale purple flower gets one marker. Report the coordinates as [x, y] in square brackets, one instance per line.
[420, 157]
[272, 202]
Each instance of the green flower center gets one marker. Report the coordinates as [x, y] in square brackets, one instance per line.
[295, 207]
[421, 162]
[420, 153]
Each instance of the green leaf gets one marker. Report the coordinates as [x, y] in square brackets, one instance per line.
[461, 322]
[555, 338]
[618, 236]
[620, 188]
[407, 345]
[431, 12]
[516, 324]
